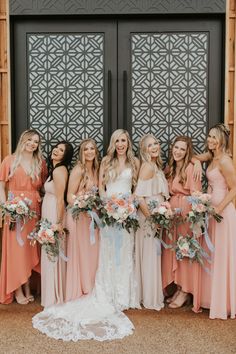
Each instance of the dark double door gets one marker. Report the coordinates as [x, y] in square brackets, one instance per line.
[77, 78]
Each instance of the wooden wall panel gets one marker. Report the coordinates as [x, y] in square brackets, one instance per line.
[230, 73]
[4, 80]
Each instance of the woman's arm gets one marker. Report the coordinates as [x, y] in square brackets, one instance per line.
[74, 182]
[2, 191]
[60, 177]
[146, 173]
[228, 171]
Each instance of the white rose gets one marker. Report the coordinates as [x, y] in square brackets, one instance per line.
[49, 232]
[162, 210]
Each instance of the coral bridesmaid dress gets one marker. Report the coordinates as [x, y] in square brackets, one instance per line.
[53, 274]
[219, 287]
[19, 261]
[183, 273]
[147, 257]
[82, 255]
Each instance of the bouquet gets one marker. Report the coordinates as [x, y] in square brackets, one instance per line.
[189, 247]
[120, 210]
[164, 218]
[18, 210]
[48, 235]
[201, 209]
[85, 202]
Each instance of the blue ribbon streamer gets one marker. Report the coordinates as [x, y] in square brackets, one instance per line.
[158, 246]
[61, 254]
[115, 234]
[94, 218]
[206, 235]
[18, 233]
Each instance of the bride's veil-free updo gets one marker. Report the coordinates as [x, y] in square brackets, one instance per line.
[110, 161]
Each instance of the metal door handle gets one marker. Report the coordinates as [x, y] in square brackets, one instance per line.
[109, 100]
[125, 106]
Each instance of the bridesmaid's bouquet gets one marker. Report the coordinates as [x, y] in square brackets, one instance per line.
[198, 216]
[120, 210]
[18, 210]
[50, 238]
[85, 202]
[189, 247]
[163, 218]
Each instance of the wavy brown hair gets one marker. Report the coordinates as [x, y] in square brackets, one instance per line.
[82, 162]
[110, 161]
[36, 167]
[187, 159]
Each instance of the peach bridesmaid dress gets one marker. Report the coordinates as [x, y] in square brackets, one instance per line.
[82, 255]
[19, 261]
[147, 248]
[53, 274]
[183, 273]
[218, 289]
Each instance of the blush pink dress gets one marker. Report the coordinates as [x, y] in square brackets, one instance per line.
[183, 273]
[218, 289]
[82, 255]
[53, 274]
[19, 261]
[147, 257]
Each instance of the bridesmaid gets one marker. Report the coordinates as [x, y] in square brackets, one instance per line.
[152, 185]
[23, 172]
[218, 290]
[181, 182]
[83, 256]
[53, 209]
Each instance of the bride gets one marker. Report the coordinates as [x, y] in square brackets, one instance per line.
[98, 315]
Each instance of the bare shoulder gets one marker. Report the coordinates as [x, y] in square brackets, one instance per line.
[226, 163]
[60, 171]
[146, 171]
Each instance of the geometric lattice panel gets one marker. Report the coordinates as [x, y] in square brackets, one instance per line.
[169, 87]
[66, 87]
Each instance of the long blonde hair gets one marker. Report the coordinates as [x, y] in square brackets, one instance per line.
[82, 163]
[222, 133]
[110, 161]
[36, 165]
[187, 159]
[144, 155]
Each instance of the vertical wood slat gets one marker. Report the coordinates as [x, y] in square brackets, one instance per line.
[4, 79]
[230, 73]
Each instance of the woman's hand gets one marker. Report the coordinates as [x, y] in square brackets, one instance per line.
[197, 170]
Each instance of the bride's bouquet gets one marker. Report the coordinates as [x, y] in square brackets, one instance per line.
[120, 210]
[50, 238]
[18, 210]
[163, 217]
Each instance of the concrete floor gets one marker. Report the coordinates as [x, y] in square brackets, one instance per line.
[167, 331]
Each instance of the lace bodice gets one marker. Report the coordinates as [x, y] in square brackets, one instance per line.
[122, 184]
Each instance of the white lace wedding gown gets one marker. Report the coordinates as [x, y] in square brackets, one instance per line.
[98, 315]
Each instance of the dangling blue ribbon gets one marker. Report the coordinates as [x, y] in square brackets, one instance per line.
[158, 246]
[115, 234]
[118, 238]
[61, 254]
[94, 218]
[206, 235]
[18, 233]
